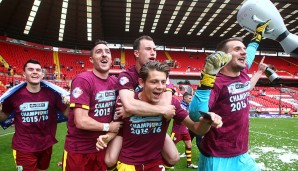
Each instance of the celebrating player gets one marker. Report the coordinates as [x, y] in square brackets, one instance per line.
[35, 119]
[92, 101]
[226, 148]
[143, 136]
[144, 51]
[180, 132]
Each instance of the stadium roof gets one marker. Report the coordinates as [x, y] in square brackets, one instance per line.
[78, 23]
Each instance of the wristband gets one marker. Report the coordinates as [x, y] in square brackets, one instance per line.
[106, 127]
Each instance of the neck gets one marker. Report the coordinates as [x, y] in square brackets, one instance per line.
[138, 67]
[185, 102]
[140, 96]
[33, 88]
[229, 72]
[102, 75]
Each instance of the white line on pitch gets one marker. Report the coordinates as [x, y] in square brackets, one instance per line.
[6, 134]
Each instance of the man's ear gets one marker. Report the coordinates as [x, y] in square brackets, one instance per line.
[42, 75]
[141, 82]
[91, 59]
[136, 53]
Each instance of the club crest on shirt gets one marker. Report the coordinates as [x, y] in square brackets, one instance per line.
[123, 80]
[77, 92]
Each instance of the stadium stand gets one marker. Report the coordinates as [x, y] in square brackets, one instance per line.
[13, 56]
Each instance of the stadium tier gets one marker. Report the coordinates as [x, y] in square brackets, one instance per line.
[181, 61]
[70, 64]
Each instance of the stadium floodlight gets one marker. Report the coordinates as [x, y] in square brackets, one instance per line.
[189, 10]
[157, 16]
[177, 9]
[201, 17]
[32, 15]
[144, 16]
[89, 20]
[62, 19]
[212, 18]
[128, 11]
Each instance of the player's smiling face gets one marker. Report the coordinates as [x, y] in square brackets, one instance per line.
[153, 87]
[238, 51]
[101, 58]
[146, 51]
[33, 73]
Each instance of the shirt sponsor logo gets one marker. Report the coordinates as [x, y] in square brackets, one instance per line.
[238, 87]
[31, 106]
[105, 96]
[138, 119]
[123, 80]
[239, 95]
[77, 92]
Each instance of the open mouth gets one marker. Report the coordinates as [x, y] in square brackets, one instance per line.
[156, 95]
[104, 61]
[152, 59]
[242, 60]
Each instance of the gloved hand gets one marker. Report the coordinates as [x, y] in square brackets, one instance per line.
[213, 64]
[261, 28]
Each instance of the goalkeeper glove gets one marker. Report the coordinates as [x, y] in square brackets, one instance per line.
[261, 28]
[213, 64]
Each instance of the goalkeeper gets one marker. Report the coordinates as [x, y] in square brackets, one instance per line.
[227, 94]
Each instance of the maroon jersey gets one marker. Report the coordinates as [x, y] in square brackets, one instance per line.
[229, 99]
[178, 127]
[98, 97]
[129, 79]
[35, 118]
[143, 137]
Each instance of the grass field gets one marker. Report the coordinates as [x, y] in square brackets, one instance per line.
[273, 143]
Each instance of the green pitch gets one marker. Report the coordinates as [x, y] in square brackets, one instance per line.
[273, 143]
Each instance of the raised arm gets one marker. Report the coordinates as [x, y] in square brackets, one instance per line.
[199, 102]
[255, 41]
[254, 79]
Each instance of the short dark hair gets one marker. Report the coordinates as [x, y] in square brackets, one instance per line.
[153, 65]
[222, 46]
[97, 42]
[31, 61]
[186, 94]
[136, 44]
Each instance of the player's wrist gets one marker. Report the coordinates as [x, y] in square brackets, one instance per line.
[207, 82]
[206, 121]
[106, 127]
[257, 37]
